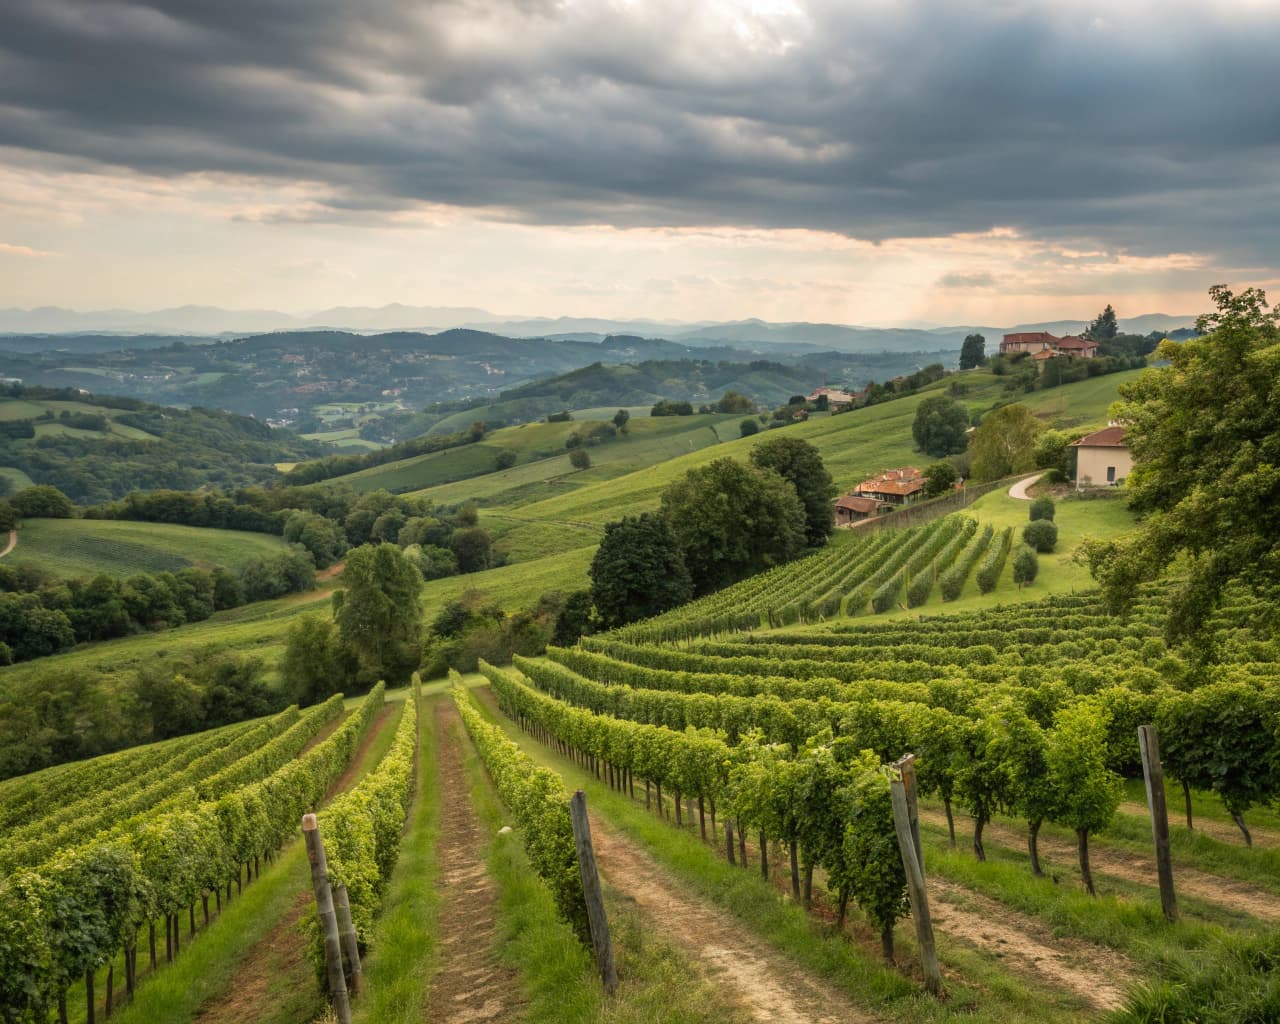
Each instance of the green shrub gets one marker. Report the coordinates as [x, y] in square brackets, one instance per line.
[1042, 534]
[993, 564]
[1025, 566]
[918, 590]
[887, 595]
[1042, 508]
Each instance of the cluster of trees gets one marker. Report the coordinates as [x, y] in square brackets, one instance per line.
[73, 713]
[718, 524]
[41, 616]
[187, 449]
[1204, 432]
[325, 520]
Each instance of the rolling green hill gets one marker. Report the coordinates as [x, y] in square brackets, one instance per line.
[468, 473]
[98, 448]
[85, 547]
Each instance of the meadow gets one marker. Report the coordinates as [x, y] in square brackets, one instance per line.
[85, 547]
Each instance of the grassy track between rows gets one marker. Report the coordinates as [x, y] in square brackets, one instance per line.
[556, 972]
[208, 967]
[403, 952]
[979, 990]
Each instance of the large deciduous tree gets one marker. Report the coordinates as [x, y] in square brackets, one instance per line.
[1205, 436]
[638, 570]
[973, 352]
[379, 612]
[1004, 442]
[800, 464]
[731, 520]
[940, 426]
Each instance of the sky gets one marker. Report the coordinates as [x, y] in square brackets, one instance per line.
[874, 162]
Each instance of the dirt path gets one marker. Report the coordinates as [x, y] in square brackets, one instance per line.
[1019, 490]
[470, 985]
[362, 751]
[1240, 897]
[1224, 831]
[279, 952]
[1024, 946]
[766, 986]
[13, 543]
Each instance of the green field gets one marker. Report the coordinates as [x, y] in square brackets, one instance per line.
[16, 477]
[86, 547]
[24, 409]
[459, 475]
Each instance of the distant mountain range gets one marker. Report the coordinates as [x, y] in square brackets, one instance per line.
[210, 322]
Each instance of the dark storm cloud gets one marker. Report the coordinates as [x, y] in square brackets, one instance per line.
[1153, 127]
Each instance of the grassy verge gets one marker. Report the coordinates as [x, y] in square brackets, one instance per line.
[977, 989]
[403, 954]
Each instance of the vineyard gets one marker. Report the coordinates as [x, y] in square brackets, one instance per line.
[761, 728]
[1023, 722]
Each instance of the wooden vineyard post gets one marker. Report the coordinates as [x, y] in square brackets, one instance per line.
[1153, 772]
[328, 920]
[906, 766]
[596, 918]
[347, 935]
[915, 884]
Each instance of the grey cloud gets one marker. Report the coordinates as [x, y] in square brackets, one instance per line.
[1154, 132]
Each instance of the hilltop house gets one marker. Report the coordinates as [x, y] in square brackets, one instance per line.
[1102, 457]
[1042, 345]
[837, 400]
[893, 486]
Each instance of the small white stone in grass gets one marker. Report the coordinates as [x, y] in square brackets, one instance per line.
[504, 830]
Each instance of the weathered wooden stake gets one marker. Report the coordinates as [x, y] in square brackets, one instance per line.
[915, 886]
[728, 841]
[347, 935]
[328, 920]
[596, 918]
[1153, 772]
[906, 766]
[90, 1007]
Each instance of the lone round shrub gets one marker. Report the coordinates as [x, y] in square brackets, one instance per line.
[1042, 508]
[1042, 534]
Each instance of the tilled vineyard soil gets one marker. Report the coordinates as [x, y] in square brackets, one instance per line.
[470, 985]
[766, 986]
[1026, 947]
[1131, 867]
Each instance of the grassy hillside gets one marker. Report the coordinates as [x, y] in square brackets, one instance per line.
[854, 445]
[456, 475]
[86, 547]
[96, 449]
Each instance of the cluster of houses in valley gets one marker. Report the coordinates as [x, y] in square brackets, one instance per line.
[1102, 459]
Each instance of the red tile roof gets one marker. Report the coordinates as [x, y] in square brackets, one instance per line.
[1026, 336]
[856, 503]
[1110, 437]
[1074, 343]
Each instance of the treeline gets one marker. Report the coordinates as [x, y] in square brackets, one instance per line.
[41, 616]
[74, 713]
[340, 465]
[326, 521]
[187, 449]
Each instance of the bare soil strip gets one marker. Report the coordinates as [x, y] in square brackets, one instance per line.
[13, 543]
[362, 752]
[765, 985]
[1027, 948]
[1224, 831]
[470, 984]
[279, 952]
[1131, 867]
